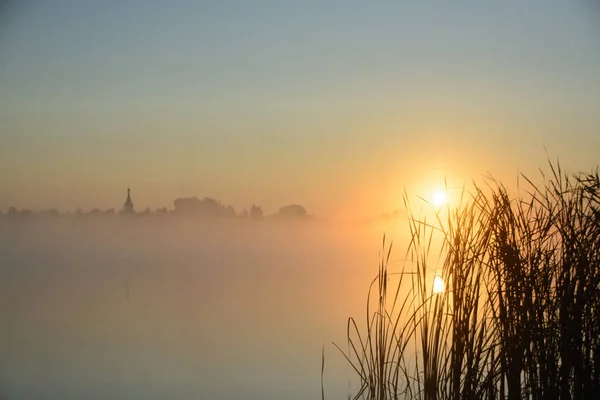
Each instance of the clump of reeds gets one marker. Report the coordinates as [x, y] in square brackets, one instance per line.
[520, 314]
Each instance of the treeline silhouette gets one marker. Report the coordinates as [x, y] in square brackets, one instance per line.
[186, 207]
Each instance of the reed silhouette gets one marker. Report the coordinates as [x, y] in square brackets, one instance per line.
[520, 314]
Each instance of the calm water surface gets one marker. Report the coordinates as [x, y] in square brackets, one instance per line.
[165, 309]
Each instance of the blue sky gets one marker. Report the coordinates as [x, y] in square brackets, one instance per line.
[336, 106]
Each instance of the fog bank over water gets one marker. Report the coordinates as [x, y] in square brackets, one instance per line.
[172, 308]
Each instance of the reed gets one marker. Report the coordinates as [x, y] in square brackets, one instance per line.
[520, 314]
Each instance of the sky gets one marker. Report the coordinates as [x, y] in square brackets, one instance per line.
[338, 106]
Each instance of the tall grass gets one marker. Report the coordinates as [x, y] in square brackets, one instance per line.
[520, 314]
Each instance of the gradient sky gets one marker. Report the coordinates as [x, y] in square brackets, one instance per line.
[335, 106]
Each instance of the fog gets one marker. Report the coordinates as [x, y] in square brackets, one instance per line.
[169, 308]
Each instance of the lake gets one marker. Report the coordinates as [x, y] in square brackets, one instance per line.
[164, 308]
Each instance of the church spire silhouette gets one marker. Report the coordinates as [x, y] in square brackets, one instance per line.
[128, 206]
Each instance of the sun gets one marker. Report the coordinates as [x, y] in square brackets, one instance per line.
[439, 198]
[438, 284]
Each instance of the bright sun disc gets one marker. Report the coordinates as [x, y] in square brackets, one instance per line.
[438, 284]
[439, 198]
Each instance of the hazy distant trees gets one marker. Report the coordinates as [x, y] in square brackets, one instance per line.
[188, 206]
[50, 212]
[22, 213]
[292, 211]
[230, 211]
[162, 211]
[206, 207]
[397, 213]
[256, 212]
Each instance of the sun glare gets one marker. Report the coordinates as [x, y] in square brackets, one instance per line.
[438, 284]
[439, 198]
